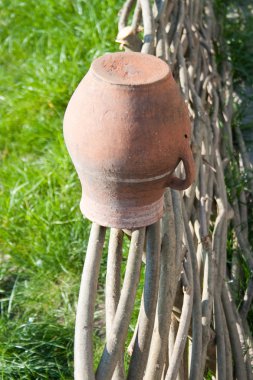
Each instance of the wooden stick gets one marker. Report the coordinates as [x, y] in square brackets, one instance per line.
[115, 343]
[148, 22]
[136, 16]
[220, 339]
[240, 369]
[112, 289]
[148, 307]
[247, 300]
[178, 349]
[124, 13]
[169, 272]
[83, 347]
[229, 361]
[196, 350]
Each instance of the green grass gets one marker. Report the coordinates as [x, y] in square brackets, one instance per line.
[46, 48]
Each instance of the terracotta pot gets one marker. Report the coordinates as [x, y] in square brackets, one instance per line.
[127, 128]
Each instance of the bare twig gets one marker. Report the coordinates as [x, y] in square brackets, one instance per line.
[148, 308]
[113, 277]
[170, 269]
[183, 328]
[229, 361]
[137, 16]
[240, 370]
[83, 350]
[247, 300]
[196, 351]
[148, 22]
[115, 343]
[220, 339]
[124, 13]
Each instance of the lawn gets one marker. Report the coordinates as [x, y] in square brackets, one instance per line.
[46, 48]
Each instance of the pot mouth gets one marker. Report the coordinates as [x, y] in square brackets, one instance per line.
[130, 69]
[115, 215]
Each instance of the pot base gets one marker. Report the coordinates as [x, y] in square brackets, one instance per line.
[119, 217]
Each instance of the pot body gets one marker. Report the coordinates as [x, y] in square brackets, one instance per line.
[126, 128]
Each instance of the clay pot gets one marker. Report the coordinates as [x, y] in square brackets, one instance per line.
[127, 128]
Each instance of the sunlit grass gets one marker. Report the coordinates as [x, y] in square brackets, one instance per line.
[46, 48]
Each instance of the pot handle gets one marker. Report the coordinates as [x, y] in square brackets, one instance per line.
[189, 167]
